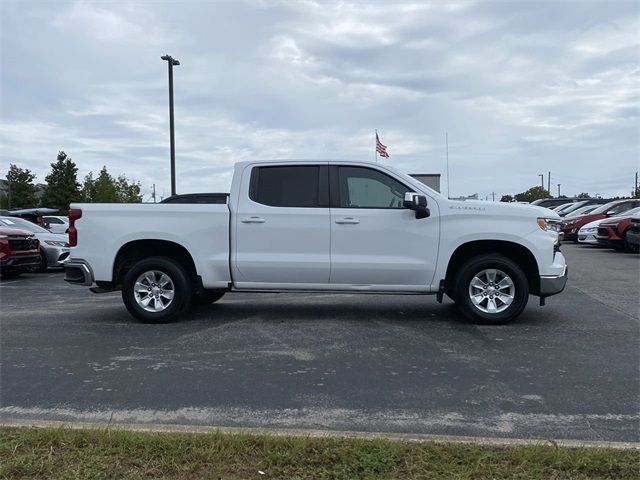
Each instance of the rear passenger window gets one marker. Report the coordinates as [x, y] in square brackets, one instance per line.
[295, 186]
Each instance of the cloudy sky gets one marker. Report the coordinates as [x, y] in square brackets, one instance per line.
[522, 88]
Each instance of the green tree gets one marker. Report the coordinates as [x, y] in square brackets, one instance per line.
[583, 195]
[127, 192]
[636, 194]
[106, 189]
[21, 190]
[506, 198]
[101, 189]
[62, 184]
[534, 193]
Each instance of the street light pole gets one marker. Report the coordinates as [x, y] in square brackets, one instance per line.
[559, 190]
[541, 175]
[171, 62]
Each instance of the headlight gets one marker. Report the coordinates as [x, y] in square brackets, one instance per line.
[549, 224]
[56, 243]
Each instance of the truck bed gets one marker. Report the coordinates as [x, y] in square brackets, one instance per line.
[201, 229]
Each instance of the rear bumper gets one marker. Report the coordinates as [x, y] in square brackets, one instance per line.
[552, 285]
[78, 272]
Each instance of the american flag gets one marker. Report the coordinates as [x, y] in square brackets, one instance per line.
[380, 148]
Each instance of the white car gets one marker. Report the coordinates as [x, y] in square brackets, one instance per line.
[56, 224]
[321, 226]
[54, 247]
[587, 234]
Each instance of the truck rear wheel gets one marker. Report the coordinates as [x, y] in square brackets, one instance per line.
[156, 290]
[491, 290]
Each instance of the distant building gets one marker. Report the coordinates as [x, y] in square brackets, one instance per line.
[431, 180]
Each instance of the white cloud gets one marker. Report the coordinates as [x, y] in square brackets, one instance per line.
[521, 88]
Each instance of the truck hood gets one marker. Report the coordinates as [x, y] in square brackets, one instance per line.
[500, 208]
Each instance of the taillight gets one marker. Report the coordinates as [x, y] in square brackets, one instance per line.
[74, 214]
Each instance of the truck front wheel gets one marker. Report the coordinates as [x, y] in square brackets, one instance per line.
[491, 290]
[156, 290]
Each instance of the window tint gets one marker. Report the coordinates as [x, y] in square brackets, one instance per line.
[285, 186]
[368, 188]
[623, 207]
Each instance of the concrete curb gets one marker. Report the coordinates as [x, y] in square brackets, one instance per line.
[407, 437]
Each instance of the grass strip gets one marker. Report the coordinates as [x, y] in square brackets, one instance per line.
[63, 453]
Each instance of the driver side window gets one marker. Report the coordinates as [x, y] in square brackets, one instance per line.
[362, 187]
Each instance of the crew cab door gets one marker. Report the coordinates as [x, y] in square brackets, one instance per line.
[282, 227]
[375, 240]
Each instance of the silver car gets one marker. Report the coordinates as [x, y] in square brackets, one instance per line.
[54, 247]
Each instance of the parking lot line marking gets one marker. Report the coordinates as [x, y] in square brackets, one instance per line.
[314, 433]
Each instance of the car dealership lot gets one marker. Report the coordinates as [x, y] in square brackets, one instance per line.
[344, 362]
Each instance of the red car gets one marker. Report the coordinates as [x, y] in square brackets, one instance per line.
[19, 251]
[613, 232]
[571, 226]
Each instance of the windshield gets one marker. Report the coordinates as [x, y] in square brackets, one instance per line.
[603, 208]
[15, 222]
[630, 213]
[581, 211]
[574, 206]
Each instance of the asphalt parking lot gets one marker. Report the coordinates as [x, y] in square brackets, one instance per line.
[402, 364]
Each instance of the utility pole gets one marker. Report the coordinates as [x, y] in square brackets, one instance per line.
[493, 196]
[171, 62]
[636, 189]
[541, 175]
[559, 190]
[549, 184]
[154, 193]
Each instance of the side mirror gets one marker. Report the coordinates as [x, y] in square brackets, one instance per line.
[418, 203]
[609, 213]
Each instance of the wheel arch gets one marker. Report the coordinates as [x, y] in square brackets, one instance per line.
[136, 250]
[519, 254]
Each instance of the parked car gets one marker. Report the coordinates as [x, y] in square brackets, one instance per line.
[552, 202]
[56, 224]
[561, 208]
[284, 229]
[54, 246]
[571, 227]
[612, 232]
[19, 251]
[587, 233]
[581, 211]
[633, 234]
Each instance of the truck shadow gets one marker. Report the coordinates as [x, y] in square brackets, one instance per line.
[344, 308]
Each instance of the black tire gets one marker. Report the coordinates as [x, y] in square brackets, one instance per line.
[627, 246]
[42, 267]
[175, 306]
[476, 266]
[207, 297]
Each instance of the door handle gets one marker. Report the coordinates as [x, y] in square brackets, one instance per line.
[253, 220]
[348, 221]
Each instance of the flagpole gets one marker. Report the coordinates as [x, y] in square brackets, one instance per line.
[375, 146]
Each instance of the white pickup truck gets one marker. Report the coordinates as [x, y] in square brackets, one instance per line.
[320, 226]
